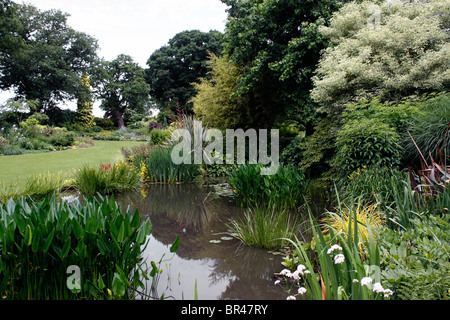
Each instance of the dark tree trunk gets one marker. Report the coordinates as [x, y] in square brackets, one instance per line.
[118, 116]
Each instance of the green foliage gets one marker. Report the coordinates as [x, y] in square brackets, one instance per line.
[278, 44]
[285, 189]
[386, 50]
[107, 179]
[62, 138]
[265, 227]
[123, 88]
[11, 150]
[159, 136]
[40, 240]
[428, 129]
[215, 103]
[292, 154]
[104, 123]
[85, 106]
[366, 142]
[416, 260]
[319, 148]
[173, 68]
[339, 271]
[159, 167]
[42, 56]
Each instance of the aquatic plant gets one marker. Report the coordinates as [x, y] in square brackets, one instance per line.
[265, 227]
[107, 179]
[285, 189]
[40, 242]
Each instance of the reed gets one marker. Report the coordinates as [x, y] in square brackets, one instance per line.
[265, 227]
[107, 179]
[285, 189]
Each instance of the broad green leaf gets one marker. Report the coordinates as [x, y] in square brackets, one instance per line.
[175, 245]
[118, 286]
[28, 235]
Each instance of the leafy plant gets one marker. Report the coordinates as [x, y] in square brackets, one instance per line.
[367, 218]
[285, 189]
[366, 142]
[337, 270]
[40, 240]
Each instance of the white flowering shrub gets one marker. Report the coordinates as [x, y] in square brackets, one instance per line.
[396, 49]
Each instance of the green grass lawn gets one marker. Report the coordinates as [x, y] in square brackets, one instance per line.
[19, 168]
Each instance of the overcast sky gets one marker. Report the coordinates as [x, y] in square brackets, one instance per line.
[136, 27]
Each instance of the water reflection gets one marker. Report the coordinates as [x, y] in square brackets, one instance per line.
[224, 270]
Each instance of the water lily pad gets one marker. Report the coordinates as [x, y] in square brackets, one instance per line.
[215, 241]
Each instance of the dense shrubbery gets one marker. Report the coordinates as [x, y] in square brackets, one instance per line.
[366, 142]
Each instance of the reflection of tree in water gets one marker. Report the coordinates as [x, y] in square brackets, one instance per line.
[198, 216]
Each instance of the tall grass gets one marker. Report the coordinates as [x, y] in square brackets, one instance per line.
[156, 166]
[107, 179]
[37, 187]
[285, 189]
[39, 241]
[265, 227]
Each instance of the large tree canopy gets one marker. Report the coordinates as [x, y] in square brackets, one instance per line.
[278, 44]
[173, 68]
[122, 88]
[387, 51]
[41, 57]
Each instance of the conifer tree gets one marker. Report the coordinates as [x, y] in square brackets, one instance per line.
[85, 115]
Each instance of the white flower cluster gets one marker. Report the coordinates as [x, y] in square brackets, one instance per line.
[339, 258]
[377, 287]
[296, 275]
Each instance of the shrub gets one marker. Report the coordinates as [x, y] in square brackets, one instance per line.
[159, 136]
[40, 240]
[104, 123]
[292, 154]
[62, 139]
[154, 126]
[3, 142]
[364, 143]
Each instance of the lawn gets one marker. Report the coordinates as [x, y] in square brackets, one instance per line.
[19, 168]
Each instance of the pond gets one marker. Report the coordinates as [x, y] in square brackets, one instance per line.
[219, 266]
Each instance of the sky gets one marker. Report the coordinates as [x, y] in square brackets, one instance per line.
[135, 27]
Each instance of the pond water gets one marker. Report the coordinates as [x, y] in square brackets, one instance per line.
[207, 259]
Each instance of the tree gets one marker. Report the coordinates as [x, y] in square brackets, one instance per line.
[278, 44]
[122, 88]
[173, 68]
[388, 51]
[42, 57]
[85, 115]
[215, 103]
